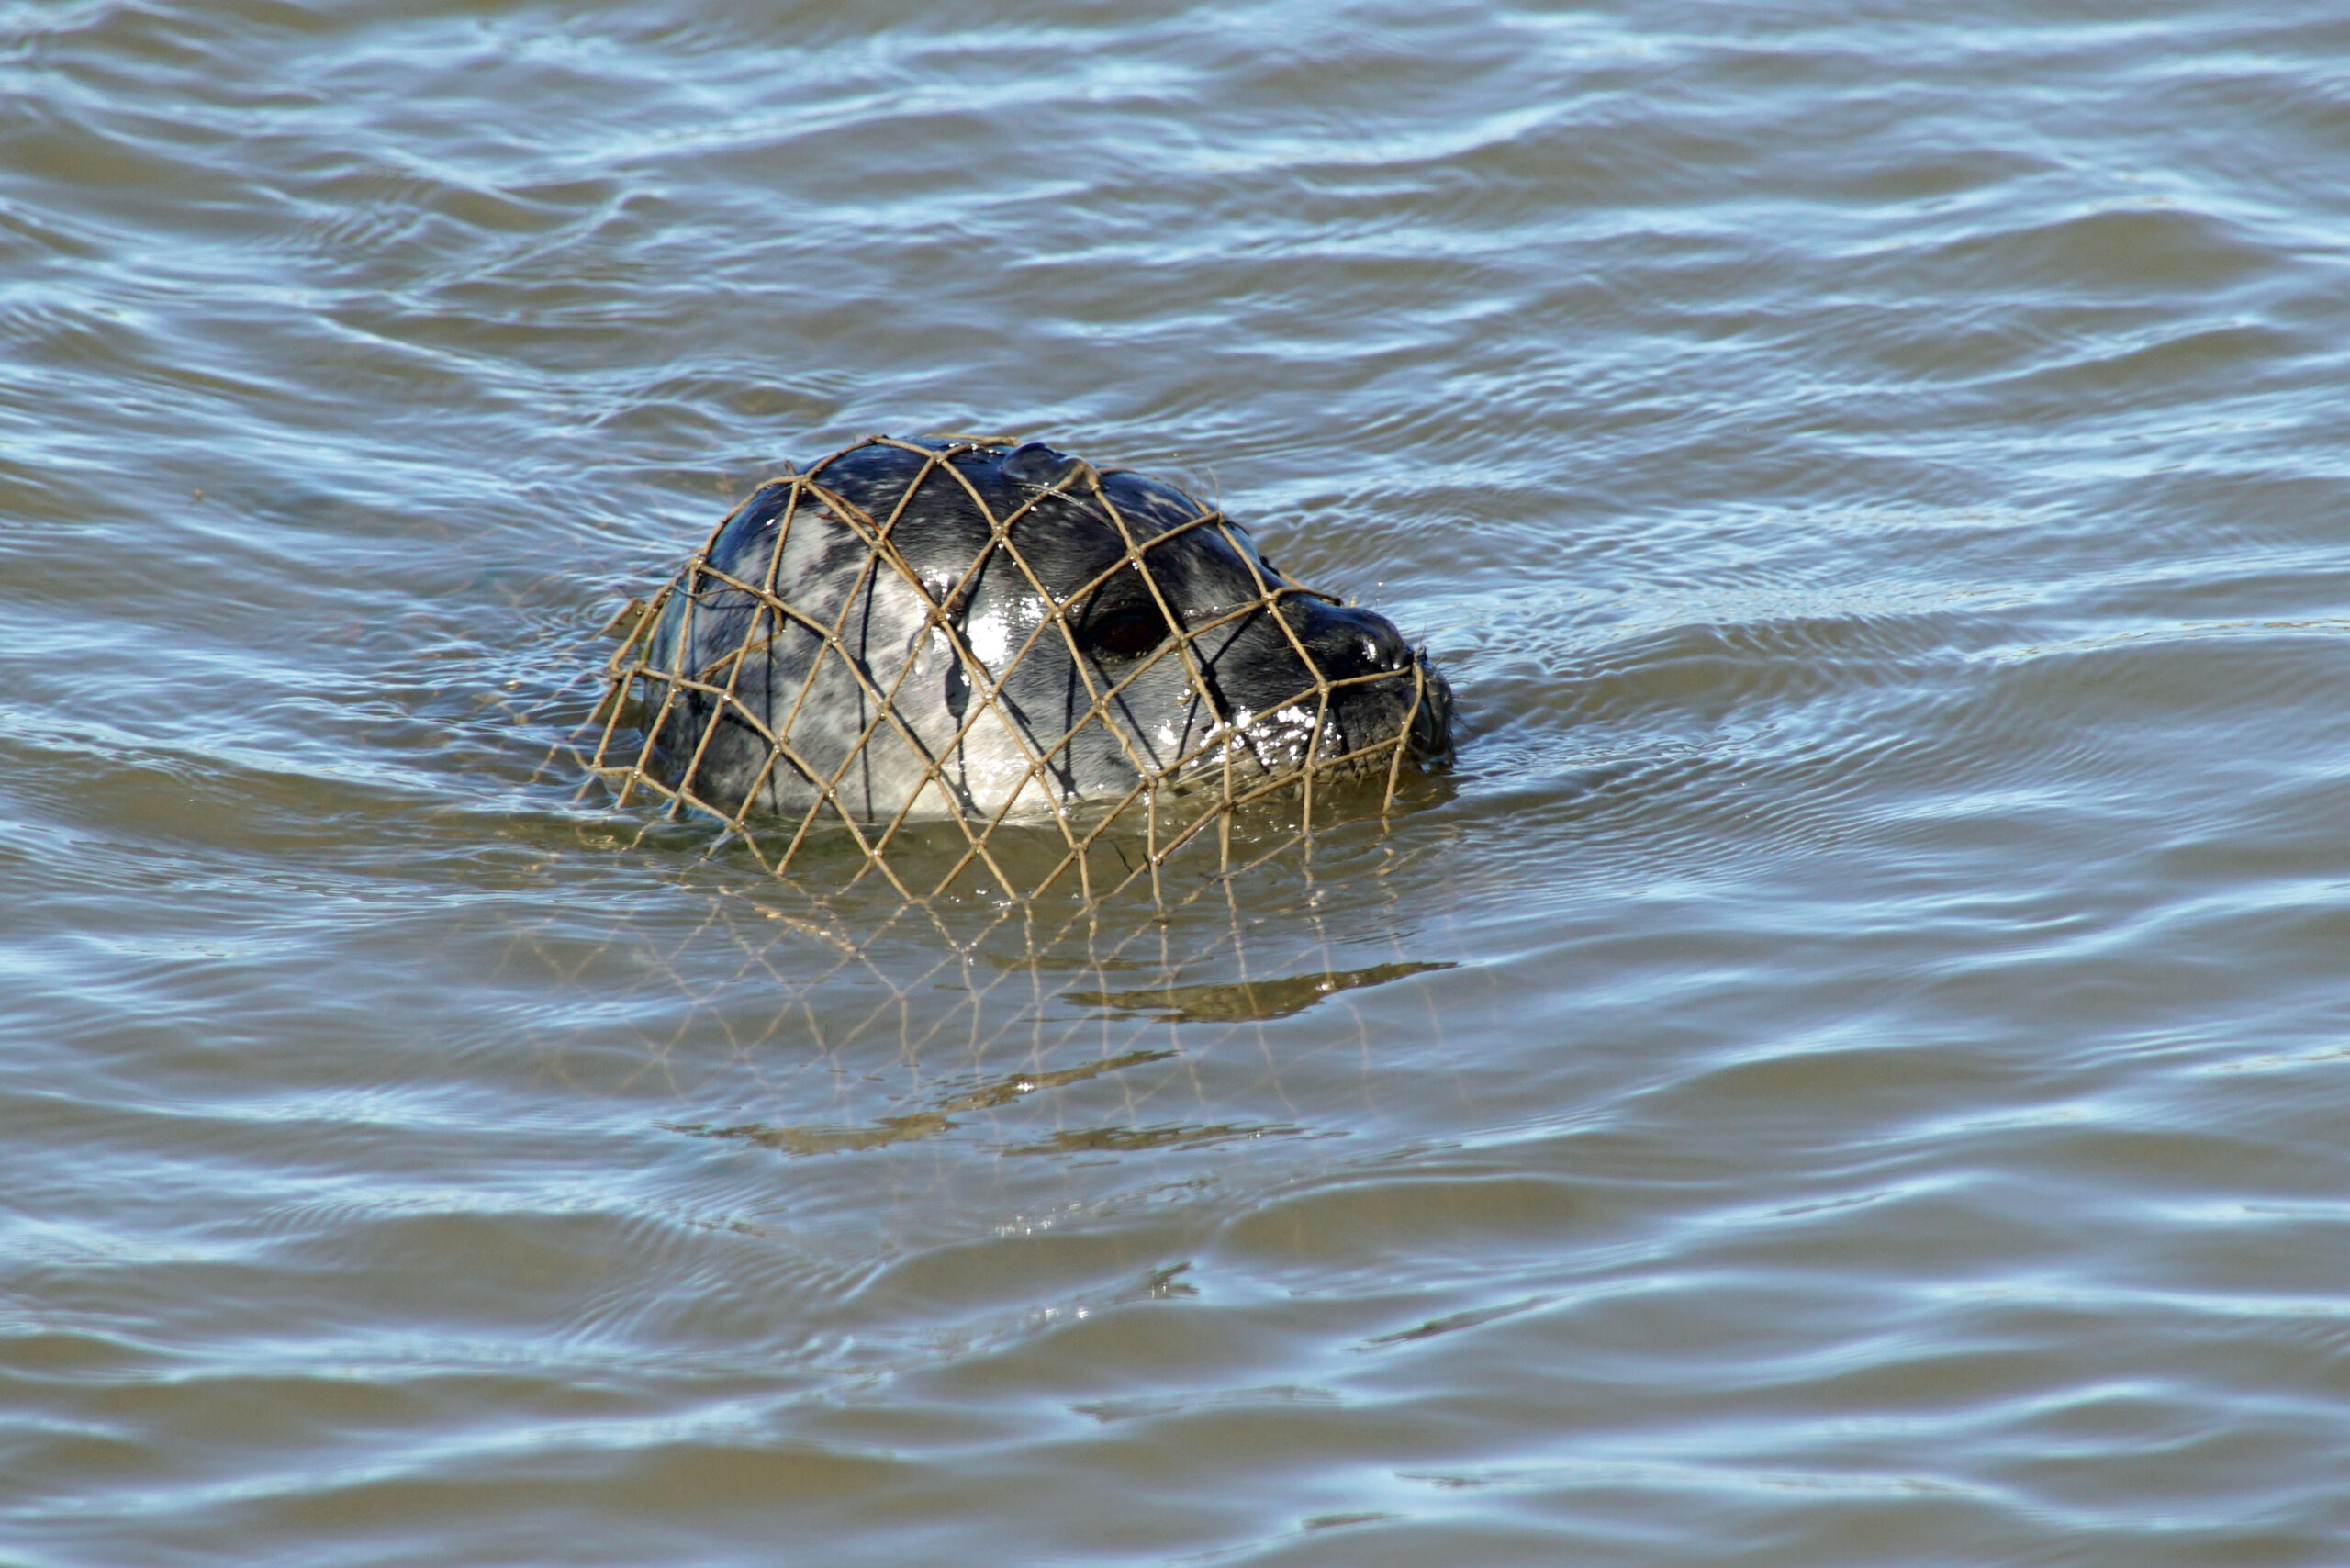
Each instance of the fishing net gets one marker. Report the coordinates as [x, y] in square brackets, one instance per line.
[971, 658]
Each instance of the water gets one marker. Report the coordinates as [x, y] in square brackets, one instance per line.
[1849, 1068]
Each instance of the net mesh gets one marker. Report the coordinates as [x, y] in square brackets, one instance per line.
[969, 659]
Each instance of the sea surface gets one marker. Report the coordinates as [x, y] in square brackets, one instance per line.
[1853, 1066]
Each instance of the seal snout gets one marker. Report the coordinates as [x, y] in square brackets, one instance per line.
[1431, 736]
[1355, 645]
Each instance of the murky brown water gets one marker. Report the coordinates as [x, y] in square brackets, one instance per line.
[1850, 1070]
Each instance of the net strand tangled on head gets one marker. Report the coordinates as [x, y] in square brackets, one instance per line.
[974, 658]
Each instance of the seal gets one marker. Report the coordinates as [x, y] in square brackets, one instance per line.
[982, 630]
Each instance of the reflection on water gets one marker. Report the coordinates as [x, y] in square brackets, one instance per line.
[1255, 1001]
[1020, 1005]
[972, 1017]
[1844, 1070]
[924, 1124]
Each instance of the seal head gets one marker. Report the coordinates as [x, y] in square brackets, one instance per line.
[982, 630]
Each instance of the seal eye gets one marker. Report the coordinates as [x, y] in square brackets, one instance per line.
[1127, 633]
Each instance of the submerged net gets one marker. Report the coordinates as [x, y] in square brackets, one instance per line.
[821, 1023]
[969, 659]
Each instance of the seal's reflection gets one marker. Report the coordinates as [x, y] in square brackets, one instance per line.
[1275, 1006]
[919, 1124]
[1241, 1001]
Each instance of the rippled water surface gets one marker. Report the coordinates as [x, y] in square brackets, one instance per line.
[1852, 1067]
